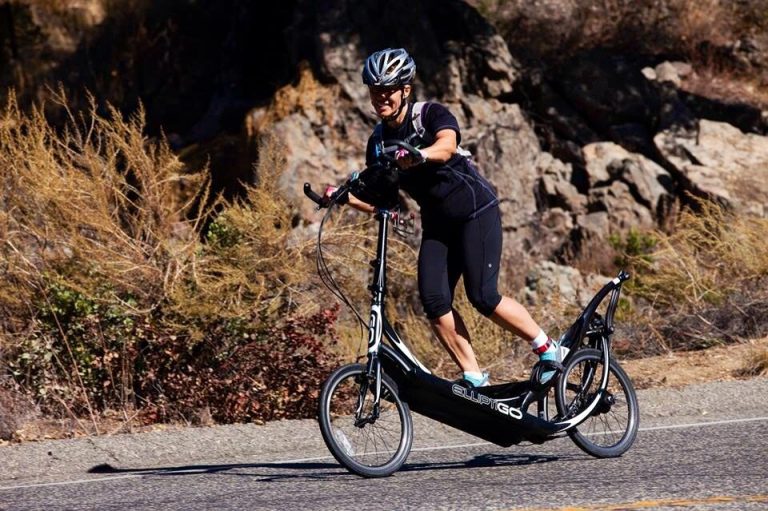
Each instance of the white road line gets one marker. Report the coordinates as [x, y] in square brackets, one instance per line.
[680, 426]
[75, 481]
[698, 424]
[150, 472]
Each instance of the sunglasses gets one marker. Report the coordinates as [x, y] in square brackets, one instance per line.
[379, 90]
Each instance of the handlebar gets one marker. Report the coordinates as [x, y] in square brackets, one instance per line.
[391, 145]
[313, 196]
[323, 201]
[389, 161]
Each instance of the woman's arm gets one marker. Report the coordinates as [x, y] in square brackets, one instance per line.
[360, 205]
[443, 148]
[353, 201]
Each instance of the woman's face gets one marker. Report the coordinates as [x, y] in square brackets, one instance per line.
[387, 100]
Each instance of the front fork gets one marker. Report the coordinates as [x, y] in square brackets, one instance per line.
[372, 375]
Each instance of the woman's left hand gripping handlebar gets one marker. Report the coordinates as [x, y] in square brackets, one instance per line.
[406, 159]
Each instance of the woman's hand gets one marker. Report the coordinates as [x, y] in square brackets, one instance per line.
[329, 191]
[440, 151]
[405, 159]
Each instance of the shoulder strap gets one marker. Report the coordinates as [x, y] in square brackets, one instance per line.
[378, 140]
[421, 131]
[418, 125]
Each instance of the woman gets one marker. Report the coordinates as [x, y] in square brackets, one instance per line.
[460, 215]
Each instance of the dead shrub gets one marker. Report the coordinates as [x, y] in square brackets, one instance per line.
[120, 293]
[560, 29]
[15, 410]
[703, 284]
[755, 365]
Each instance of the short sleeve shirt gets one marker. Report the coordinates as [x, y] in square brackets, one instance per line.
[453, 190]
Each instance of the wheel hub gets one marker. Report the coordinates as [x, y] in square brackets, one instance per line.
[606, 402]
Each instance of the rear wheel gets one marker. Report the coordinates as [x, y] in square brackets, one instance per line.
[368, 446]
[611, 428]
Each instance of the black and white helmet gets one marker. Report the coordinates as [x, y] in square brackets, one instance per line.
[392, 66]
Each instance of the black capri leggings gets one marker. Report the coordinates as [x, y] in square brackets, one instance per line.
[452, 249]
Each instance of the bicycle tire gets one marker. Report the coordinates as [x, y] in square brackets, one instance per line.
[611, 429]
[350, 443]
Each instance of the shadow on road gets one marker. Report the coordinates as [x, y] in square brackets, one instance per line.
[273, 471]
[319, 470]
[484, 461]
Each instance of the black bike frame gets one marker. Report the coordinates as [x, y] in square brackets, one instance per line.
[497, 413]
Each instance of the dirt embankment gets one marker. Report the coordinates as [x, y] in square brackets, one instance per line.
[722, 363]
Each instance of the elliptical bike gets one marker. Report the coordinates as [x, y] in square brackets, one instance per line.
[365, 409]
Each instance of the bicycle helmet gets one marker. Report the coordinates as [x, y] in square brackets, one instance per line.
[392, 66]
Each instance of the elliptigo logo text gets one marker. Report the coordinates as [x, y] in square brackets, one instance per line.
[485, 400]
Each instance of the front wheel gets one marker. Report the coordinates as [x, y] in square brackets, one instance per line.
[612, 427]
[365, 444]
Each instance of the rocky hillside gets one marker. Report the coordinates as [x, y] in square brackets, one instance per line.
[583, 139]
[594, 125]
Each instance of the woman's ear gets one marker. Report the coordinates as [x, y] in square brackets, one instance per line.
[406, 91]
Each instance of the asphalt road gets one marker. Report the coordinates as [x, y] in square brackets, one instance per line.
[701, 447]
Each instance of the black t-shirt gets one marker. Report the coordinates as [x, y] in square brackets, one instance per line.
[453, 190]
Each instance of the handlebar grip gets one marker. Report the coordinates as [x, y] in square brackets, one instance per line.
[313, 196]
[390, 145]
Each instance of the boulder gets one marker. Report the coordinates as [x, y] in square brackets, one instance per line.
[507, 152]
[720, 162]
[646, 185]
[548, 282]
[623, 211]
[669, 72]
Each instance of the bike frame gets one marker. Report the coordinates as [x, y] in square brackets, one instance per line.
[476, 411]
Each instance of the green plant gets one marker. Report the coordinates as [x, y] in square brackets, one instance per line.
[633, 246]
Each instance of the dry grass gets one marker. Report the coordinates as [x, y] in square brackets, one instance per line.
[120, 292]
[755, 365]
[710, 255]
[681, 368]
[565, 27]
[250, 262]
[99, 194]
[727, 86]
[308, 97]
[704, 284]
[96, 221]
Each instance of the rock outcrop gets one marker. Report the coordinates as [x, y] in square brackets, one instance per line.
[578, 150]
[597, 147]
[719, 162]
